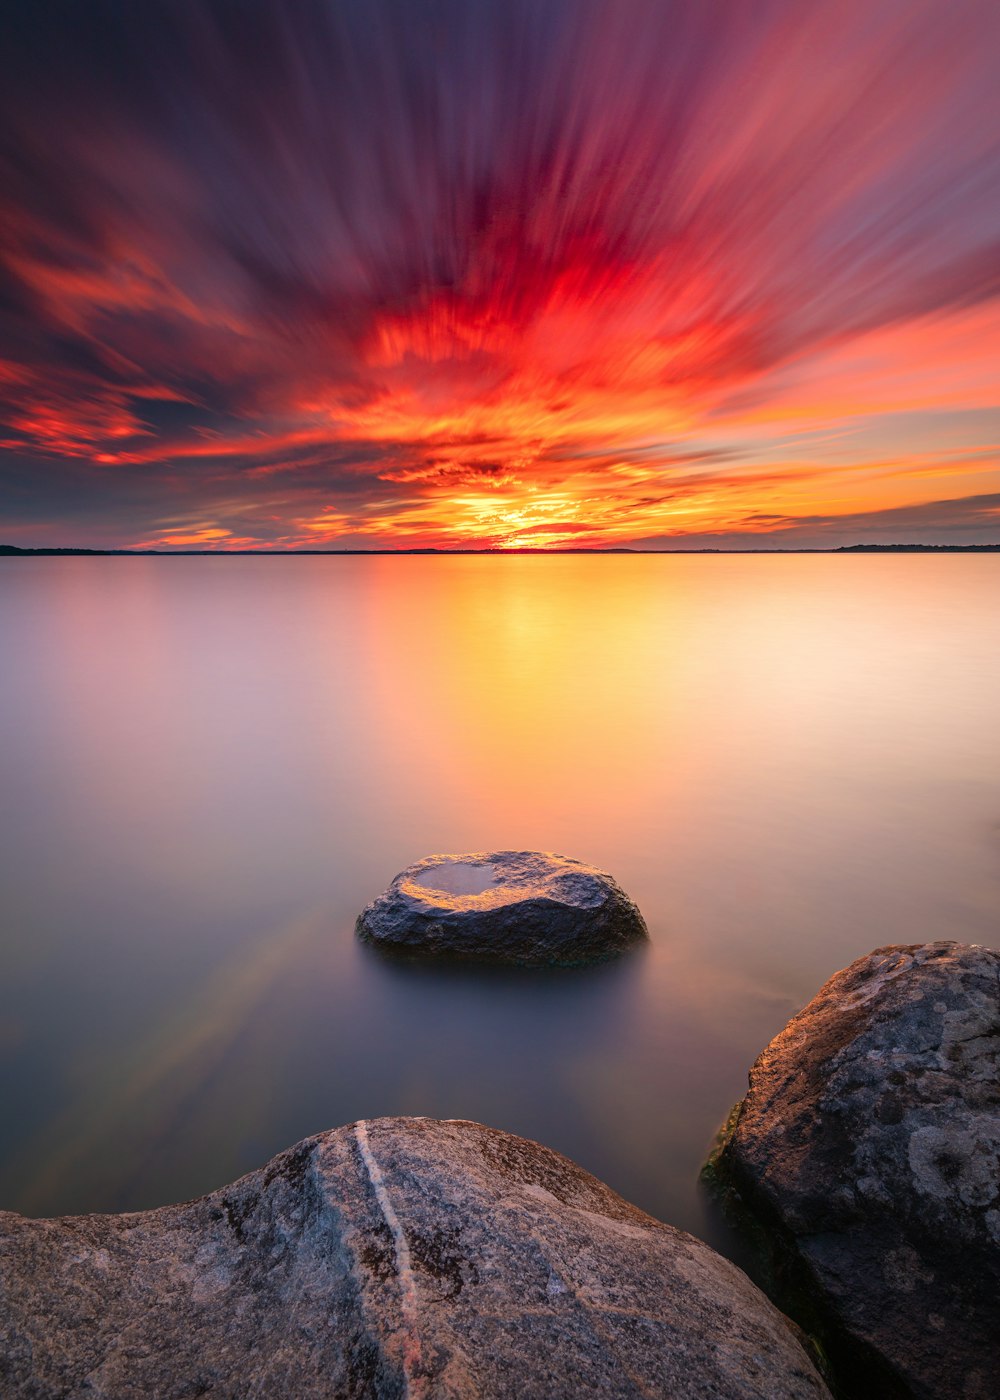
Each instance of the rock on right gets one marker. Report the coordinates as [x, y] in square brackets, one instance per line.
[863, 1170]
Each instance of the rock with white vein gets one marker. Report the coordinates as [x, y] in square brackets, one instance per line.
[403, 1257]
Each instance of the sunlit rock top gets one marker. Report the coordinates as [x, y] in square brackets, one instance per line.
[527, 907]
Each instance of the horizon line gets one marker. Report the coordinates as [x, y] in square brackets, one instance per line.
[15, 551]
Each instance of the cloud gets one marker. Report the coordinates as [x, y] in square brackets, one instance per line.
[394, 256]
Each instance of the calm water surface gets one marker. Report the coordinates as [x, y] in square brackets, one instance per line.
[210, 765]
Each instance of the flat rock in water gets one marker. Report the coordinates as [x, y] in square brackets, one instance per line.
[524, 907]
[403, 1257]
[868, 1150]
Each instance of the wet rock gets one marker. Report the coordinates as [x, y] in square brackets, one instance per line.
[865, 1161]
[400, 1257]
[523, 907]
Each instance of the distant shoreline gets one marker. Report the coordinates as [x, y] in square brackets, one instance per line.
[16, 551]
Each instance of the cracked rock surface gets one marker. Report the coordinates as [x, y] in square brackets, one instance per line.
[403, 1257]
[526, 907]
[867, 1153]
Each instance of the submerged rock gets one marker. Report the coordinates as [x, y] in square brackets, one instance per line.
[866, 1157]
[403, 1257]
[525, 907]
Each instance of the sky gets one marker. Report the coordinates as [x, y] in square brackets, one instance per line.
[387, 274]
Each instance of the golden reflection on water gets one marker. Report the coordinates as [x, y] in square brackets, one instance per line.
[210, 765]
[525, 706]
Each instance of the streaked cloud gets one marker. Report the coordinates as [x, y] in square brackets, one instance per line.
[364, 273]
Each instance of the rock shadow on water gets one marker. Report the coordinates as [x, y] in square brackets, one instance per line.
[614, 973]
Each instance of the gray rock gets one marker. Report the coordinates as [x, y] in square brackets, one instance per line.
[867, 1154]
[525, 907]
[403, 1257]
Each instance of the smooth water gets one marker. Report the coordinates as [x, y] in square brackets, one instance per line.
[209, 765]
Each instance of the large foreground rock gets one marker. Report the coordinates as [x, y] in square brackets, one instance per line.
[867, 1152]
[526, 907]
[403, 1257]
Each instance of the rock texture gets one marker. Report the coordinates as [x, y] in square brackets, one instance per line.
[403, 1257]
[867, 1153]
[524, 907]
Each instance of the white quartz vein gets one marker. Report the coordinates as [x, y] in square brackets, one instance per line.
[414, 1384]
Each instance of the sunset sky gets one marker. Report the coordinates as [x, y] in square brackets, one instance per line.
[393, 273]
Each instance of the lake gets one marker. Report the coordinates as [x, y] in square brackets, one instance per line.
[210, 765]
